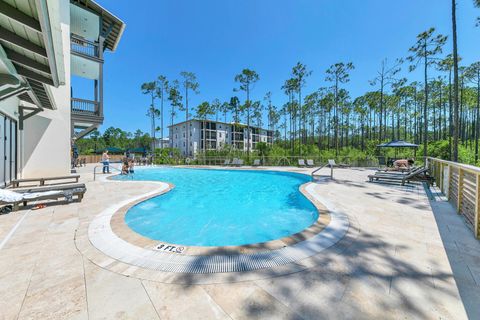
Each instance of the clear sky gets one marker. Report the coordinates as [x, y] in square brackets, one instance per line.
[216, 39]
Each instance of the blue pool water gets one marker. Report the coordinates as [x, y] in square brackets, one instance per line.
[222, 207]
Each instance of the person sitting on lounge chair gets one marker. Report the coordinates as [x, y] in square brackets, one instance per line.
[403, 164]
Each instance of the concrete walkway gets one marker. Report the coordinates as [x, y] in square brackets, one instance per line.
[399, 259]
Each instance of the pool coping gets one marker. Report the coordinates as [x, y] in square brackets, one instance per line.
[102, 237]
[123, 231]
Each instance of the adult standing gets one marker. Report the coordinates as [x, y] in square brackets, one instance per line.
[106, 162]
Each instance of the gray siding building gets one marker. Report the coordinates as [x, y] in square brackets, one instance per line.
[217, 135]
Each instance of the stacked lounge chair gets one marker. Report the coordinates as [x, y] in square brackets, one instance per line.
[310, 163]
[227, 162]
[24, 196]
[256, 162]
[418, 174]
[301, 163]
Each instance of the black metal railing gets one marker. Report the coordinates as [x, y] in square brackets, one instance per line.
[84, 47]
[83, 106]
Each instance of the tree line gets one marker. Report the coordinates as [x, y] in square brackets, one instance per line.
[443, 107]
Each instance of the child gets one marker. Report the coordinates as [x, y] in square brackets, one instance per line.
[131, 166]
[125, 166]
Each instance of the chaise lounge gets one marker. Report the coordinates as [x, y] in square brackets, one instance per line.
[419, 174]
[24, 196]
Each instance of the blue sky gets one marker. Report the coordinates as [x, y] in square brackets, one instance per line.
[216, 39]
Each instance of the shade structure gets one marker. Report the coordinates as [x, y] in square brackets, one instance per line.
[397, 144]
[110, 150]
[138, 150]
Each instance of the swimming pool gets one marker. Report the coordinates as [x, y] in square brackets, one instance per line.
[222, 207]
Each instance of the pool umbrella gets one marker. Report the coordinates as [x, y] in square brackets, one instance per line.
[397, 144]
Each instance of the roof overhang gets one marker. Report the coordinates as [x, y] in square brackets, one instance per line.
[111, 27]
[31, 42]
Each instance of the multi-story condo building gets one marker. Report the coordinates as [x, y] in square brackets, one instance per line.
[215, 135]
[42, 44]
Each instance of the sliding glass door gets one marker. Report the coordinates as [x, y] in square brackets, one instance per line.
[8, 150]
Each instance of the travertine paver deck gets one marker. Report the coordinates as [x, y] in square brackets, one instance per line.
[399, 260]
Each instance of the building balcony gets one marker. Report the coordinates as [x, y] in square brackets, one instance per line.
[85, 107]
[85, 48]
[86, 115]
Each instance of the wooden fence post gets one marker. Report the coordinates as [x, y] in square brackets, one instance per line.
[441, 177]
[460, 188]
[477, 207]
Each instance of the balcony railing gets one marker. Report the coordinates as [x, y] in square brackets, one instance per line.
[85, 107]
[84, 47]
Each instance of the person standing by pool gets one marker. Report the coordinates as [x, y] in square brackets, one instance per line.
[106, 162]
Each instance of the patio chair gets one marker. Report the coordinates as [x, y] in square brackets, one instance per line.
[256, 162]
[301, 163]
[310, 163]
[234, 162]
[239, 162]
[24, 196]
[332, 163]
[227, 162]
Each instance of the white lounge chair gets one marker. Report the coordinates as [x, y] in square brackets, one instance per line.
[234, 162]
[239, 163]
[227, 162]
[301, 162]
[256, 162]
[23, 196]
[310, 163]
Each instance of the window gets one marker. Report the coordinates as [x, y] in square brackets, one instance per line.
[219, 134]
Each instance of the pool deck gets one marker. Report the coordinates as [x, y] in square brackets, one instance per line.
[403, 256]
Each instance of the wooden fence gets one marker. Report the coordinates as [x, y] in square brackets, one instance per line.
[461, 184]
[95, 158]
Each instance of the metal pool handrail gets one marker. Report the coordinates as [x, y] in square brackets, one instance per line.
[112, 167]
[318, 169]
